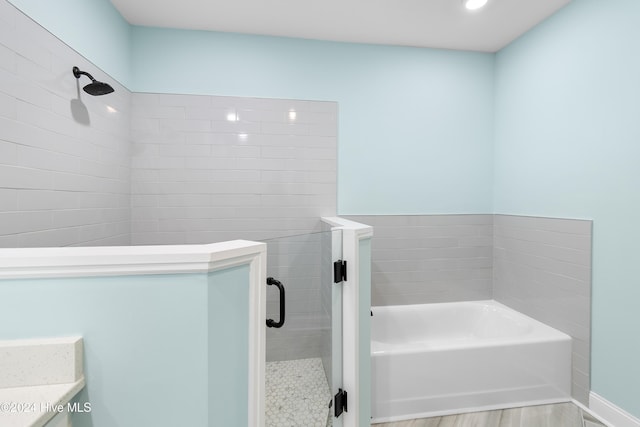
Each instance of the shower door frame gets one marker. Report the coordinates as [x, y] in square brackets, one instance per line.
[356, 303]
[329, 250]
[337, 354]
[356, 331]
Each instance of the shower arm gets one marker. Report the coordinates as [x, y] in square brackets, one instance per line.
[77, 73]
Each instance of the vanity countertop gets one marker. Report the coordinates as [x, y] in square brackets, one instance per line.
[38, 379]
[34, 406]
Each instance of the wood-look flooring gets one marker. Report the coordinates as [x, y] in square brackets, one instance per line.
[556, 415]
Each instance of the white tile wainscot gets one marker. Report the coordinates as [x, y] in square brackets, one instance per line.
[38, 378]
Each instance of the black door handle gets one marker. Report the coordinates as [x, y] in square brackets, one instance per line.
[270, 322]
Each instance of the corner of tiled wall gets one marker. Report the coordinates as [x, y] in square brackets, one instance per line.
[542, 268]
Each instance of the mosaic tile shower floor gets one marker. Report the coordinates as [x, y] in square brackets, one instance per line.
[297, 394]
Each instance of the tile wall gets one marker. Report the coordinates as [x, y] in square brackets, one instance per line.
[542, 268]
[418, 259]
[212, 168]
[64, 155]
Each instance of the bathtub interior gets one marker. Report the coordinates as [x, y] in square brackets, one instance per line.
[520, 364]
[466, 323]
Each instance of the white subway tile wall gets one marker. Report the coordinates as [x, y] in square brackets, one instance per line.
[211, 168]
[64, 155]
[419, 259]
[542, 268]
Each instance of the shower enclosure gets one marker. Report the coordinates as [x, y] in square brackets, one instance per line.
[304, 330]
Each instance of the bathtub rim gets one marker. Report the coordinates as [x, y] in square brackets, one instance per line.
[542, 333]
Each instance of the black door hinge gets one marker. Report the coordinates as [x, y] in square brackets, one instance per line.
[340, 402]
[339, 271]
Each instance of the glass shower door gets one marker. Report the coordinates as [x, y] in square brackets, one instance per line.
[303, 348]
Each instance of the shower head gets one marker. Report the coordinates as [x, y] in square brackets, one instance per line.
[98, 88]
[94, 88]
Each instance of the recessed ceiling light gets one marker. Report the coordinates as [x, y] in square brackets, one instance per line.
[474, 4]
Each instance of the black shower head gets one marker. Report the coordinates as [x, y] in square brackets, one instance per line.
[94, 88]
[98, 88]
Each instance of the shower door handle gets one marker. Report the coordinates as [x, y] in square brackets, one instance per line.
[270, 322]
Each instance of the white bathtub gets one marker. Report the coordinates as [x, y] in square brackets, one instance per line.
[438, 359]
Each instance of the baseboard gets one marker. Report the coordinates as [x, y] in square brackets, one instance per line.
[610, 413]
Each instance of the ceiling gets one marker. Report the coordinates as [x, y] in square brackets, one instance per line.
[423, 23]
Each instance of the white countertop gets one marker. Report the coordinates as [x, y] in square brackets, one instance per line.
[38, 377]
[34, 406]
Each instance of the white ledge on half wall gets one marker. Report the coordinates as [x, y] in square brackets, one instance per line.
[361, 230]
[38, 378]
[17, 263]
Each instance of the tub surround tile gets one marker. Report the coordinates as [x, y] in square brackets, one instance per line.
[542, 268]
[418, 259]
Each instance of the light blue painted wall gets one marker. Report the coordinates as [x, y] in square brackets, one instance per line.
[415, 125]
[147, 357]
[229, 347]
[94, 28]
[568, 145]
